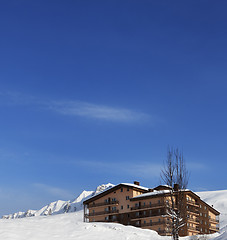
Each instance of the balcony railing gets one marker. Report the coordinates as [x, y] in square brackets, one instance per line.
[214, 220]
[147, 214]
[148, 206]
[214, 228]
[102, 213]
[192, 203]
[195, 220]
[153, 223]
[193, 211]
[193, 228]
[103, 204]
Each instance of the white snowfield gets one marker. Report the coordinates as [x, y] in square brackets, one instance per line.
[70, 226]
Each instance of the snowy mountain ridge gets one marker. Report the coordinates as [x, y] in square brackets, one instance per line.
[60, 206]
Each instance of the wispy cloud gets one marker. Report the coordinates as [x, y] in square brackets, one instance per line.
[95, 111]
[77, 108]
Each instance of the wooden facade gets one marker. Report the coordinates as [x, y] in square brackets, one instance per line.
[131, 204]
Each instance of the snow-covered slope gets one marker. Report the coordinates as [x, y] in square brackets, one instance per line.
[71, 226]
[59, 206]
[217, 199]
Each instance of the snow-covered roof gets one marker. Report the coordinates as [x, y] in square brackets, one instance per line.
[152, 193]
[134, 185]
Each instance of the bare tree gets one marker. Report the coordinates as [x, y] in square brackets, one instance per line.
[175, 175]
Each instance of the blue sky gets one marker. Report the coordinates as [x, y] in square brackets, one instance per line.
[93, 92]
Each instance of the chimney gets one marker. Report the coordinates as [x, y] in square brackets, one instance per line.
[176, 187]
[136, 183]
[150, 190]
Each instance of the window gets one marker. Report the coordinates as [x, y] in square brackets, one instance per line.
[107, 218]
[150, 203]
[127, 197]
[144, 221]
[121, 207]
[127, 206]
[159, 201]
[114, 208]
[121, 189]
[150, 222]
[127, 188]
[136, 205]
[144, 212]
[144, 204]
[107, 209]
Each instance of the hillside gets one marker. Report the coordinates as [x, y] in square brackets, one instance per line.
[71, 227]
[217, 199]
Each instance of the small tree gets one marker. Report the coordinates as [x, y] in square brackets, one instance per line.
[175, 175]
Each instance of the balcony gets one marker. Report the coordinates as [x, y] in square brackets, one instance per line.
[213, 220]
[214, 228]
[148, 206]
[194, 220]
[147, 215]
[193, 211]
[193, 203]
[102, 213]
[195, 229]
[103, 204]
[153, 223]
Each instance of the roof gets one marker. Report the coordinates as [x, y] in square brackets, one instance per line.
[109, 190]
[149, 194]
[135, 186]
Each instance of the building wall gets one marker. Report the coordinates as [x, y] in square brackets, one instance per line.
[150, 212]
[109, 207]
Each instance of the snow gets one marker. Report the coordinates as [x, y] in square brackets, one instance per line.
[70, 226]
[134, 185]
[152, 193]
